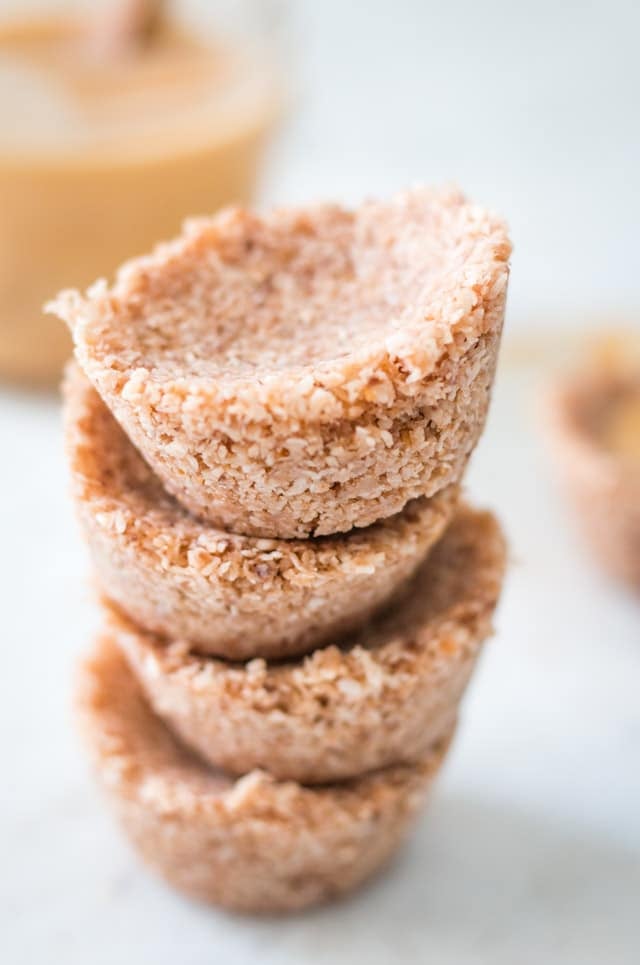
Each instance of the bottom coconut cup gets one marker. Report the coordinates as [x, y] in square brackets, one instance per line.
[252, 844]
[594, 428]
[382, 696]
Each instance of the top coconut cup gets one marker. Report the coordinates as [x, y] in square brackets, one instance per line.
[309, 371]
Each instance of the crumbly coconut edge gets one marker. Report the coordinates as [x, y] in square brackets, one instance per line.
[211, 551]
[353, 669]
[255, 796]
[467, 307]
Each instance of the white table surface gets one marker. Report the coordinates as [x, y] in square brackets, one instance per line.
[530, 851]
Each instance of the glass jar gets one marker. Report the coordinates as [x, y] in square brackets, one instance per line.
[108, 142]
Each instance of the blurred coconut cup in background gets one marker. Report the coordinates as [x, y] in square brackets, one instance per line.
[593, 424]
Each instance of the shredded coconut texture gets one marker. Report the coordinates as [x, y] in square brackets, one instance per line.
[251, 845]
[307, 371]
[234, 596]
[383, 696]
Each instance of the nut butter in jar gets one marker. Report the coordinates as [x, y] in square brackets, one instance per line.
[116, 125]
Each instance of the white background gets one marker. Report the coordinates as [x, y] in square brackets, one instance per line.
[533, 108]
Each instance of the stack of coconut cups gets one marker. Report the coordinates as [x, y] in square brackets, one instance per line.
[267, 425]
